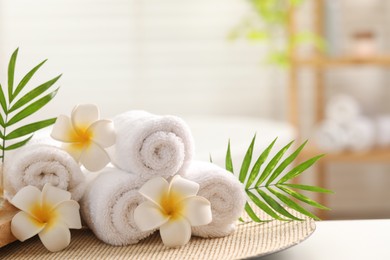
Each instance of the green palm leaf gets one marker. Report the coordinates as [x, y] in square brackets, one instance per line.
[272, 164]
[285, 163]
[307, 187]
[34, 93]
[19, 144]
[32, 108]
[30, 128]
[229, 163]
[256, 168]
[25, 80]
[247, 161]
[28, 101]
[275, 206]
[11, 73]
[299, 169]
[2, 99]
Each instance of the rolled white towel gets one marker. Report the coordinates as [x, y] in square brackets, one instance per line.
[361, 134]
[342, 108]
[225, 193]
[151, 145]
[38, 164]
[108, 207]
[382, 125]
[330, 136]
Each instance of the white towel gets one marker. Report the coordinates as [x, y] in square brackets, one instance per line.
[108, 207]
[38, 164]
[225, 193]
[330, 136]
[342, 108]
[382, 125]
[151, 145]
[361, 134]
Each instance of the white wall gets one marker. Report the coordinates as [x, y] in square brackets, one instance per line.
[168, 56]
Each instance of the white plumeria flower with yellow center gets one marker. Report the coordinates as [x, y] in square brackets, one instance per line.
[173, 208]
[85, 136]
[49, 213]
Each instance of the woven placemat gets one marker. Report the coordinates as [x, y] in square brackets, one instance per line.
[249, 240]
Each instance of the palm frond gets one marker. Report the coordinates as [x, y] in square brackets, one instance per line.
[269, 190]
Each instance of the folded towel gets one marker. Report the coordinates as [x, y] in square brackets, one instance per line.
[38, 164]
[330, 136]
[342, 108]
[151, 145]
[108, 207]
[361, 134]
[382, 125]
[225, 193]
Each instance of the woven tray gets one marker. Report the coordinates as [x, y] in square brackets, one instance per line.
[249, 240]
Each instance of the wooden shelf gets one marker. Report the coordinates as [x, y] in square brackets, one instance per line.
[376, 155]
[342, 61]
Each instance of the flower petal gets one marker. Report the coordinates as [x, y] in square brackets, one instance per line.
[83, 116]
[155, 189]
[69, 213]
[183, 187]
[55, 237]
[197, 210]
[176, 232]
[53, 196]
[94, 158]
[74, 149]
[148, 216]
[63, 130]
[23, 226]
[26, 197]
[103, 133]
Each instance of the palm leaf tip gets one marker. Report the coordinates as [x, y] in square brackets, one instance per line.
[247, 161]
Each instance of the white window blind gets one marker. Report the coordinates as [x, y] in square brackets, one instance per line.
[168, 56]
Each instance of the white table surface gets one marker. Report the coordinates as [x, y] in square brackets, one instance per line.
[344, 240]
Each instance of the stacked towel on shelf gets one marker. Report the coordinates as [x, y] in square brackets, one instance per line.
[108, 206]
[225, 193]
[151, 145]
[344, 127]
[38, 164]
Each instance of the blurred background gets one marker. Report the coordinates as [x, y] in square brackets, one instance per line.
[296, 69]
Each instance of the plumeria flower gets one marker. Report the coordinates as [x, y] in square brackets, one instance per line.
[85, 136]
[49, 213]
[173, 208]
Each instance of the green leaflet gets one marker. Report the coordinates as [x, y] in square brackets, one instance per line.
[11, 73]
[274, 202]
[34, 93]
[306, 187]
[247, 161]
[229, 163]
[25, 80]
[32, 108]
[272, 164]
[285, 163]
[2, 99]
[256, 168]
[299, 169]
[25, 105]
[30, 128]
[18, 144]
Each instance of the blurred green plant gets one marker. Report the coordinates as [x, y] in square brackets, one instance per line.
[16, 107]
[269, 189]
[268, 23]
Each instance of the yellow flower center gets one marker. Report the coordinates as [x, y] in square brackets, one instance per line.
[82, 137]
[43, 214]
[171, 205]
